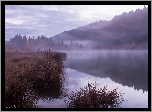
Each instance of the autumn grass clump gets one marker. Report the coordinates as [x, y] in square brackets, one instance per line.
[49, 71]
[25, 71]
[91, 97]
[16, 68]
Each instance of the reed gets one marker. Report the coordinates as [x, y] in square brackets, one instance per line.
[49, 70]
[31, 70]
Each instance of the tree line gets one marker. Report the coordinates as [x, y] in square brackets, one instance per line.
[29, 43]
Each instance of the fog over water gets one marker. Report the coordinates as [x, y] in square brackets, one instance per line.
[125, 67]
[108, 46]
[125, 70]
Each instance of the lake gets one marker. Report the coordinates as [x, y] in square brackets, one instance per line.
[125, 70]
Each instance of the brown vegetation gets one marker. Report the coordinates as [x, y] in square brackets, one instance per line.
[28, 73]
[91, 97]
[29, 70]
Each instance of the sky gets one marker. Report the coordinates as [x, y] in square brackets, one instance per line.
[50, 20]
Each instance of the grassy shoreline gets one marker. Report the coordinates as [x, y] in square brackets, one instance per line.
[35, 70]
[27, 74]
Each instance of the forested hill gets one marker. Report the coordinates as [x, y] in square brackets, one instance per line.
[123, 31]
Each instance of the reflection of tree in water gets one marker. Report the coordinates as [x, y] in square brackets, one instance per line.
[48, 94]
[129, 69]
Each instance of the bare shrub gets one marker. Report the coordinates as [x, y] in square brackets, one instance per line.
[91, 97]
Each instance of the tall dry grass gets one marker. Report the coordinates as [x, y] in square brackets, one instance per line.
[31, 70]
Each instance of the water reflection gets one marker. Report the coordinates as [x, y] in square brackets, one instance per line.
[47, 94]
[76, 80]
[127, 68]
[127, 71]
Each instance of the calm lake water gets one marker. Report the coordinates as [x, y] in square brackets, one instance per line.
[125, 70]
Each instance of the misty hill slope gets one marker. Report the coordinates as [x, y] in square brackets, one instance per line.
[126, 29]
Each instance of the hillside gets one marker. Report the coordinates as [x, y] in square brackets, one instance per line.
[128, 30]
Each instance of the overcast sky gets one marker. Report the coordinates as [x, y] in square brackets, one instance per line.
[50, 20]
